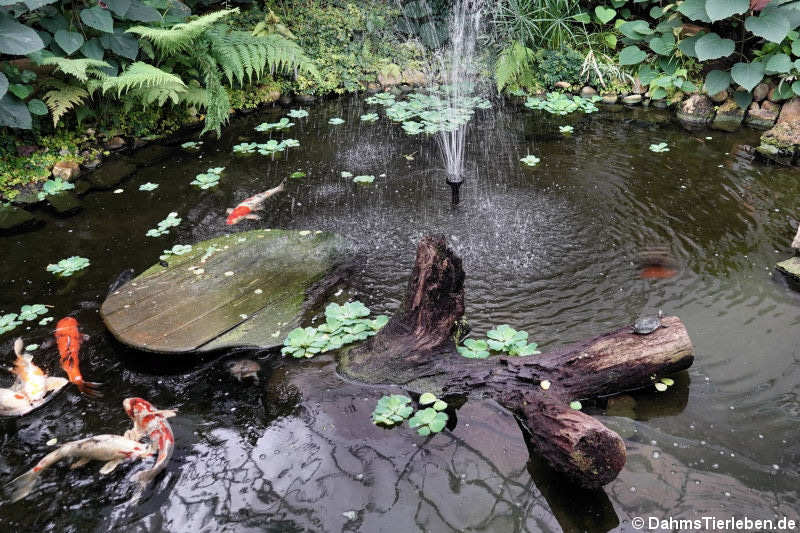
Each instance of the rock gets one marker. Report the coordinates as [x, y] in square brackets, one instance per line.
[790, 111]
[638, 88]
[285, 99]
[110, 174]
[760, 92]
[14, 220]
[415, 78]
[660, 104]
[588, 92]
[632, 99]
[791, 268]
[305, 98]
[66, 170]
[762, 116]
[562, 85]
[64, 203]
[390, 79]
[719, 97]
[93, 164]
[610, 99]
[780, 143]
[729, 117]
[696, 112]
[27, 197]
[251, 291]
[373, 88]
[115, 143]
[405, 88]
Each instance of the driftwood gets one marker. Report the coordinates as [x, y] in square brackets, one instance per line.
[415, 350]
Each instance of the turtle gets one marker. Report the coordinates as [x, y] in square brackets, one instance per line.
[648, 324]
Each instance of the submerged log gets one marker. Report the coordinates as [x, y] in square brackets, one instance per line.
[415, 350]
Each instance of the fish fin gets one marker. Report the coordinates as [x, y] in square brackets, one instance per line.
[23, 485]
[18, 346]
[252, 217]
[55, 383]
[166, 413]
[83, 461]
[90, 389]
[110, 466]
[229, 211]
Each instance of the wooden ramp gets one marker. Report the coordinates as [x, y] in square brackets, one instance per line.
[246, 289]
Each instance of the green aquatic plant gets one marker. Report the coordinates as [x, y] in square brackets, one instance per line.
[364, 179]
[282, 124]
[561, 104]
[303, 342]
[391, 410]
[297, 113]
[335, 121]
[346, 174]
[369, 117]
[191, 145]
[171, 221]
[429, 398]
[31, 347]
[575, 405]
[297, 175]
[54, 186]
[290, 143]
[428, 421]
[245, 148]
[178, 249]
[208, 179]
[46, 320]
[9, 322]
[530, 160]
[504, 338]
[436, 111]
[566, 129]
[148, 186]
[660, 147]
[32, 312]
[413, 128]
[384, 99]
[474, 349]
[67, 267]
[348, 311]
[664, 383]
[270, 147]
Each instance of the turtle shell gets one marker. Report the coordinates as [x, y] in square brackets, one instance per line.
[646, 325]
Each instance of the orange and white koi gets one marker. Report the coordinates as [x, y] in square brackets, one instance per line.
[30, 387]
[244, 211]
[152, 423]
[114, 449]
[69, 338]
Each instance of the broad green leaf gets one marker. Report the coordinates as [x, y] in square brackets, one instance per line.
[796, 88]
[687, 46]
[779, 63]
[17, 39]
[631, 55]
[119, 7]
[659, 93]
[93, 49]
[663, 45]
[618, 3]
[636, 29]
[98, 18]
[37, 107]
[575, 405]
[783, 91]
[583, 18]
[610, 39]
[722, 9]
[646, 74]
[770, 25]
[36, 4]
[54, 23]
[14, 113]
[796, 47]
[668, 25]
[3, 84]
[712, 46]
[142, 13]
[743, 98]
[604, 14]
[427, 398]
[695, 10]
[124, 44]
[660, 387]
[748, 75]
[69, 41]
[20, 90]
[716, 81]
[656, 12]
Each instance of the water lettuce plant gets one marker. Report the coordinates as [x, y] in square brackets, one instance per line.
[297, 175]
[297, 113]
[566, 129]
[8, 322]
[172, 220]
[413, 128]
[664, 383]
[428, 421]
[344, 324]
[67, 267]
[245, 148]
[429, 398]
[561, 104]
[178, 249]
[191, 145]
[54, 186]
[290, 143]
[660, 147]
[364, 179]
[208, 179]
[530, 160]
[148, 186]
[46, 320]
[282, 124]
[384, 99]
[32, 312]
[369, 117]
[272, 146]
[335, 121]
[436, 111]
[576, 405]
[504, 338]
[474, 349]
[391, 410]
[346, 174]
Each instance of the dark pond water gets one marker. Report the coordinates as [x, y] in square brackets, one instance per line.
[550, 249]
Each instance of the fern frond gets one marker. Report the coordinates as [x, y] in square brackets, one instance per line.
[195, 95]
[63, 98]
[141, 75]
[80, 68]
[180, 37]
[218, 103]
[512, 63]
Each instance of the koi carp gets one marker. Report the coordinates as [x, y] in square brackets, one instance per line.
[244, 211]
[69, 338]
[114, 449]
[31, 387]
[152, 423]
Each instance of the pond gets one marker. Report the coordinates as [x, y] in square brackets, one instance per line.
[550, 249]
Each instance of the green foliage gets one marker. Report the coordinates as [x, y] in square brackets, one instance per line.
[428, 421]
[32, 312]
[562, 104]
[384, 99]
[530, 160]
[660, 147]
[208, 179]
[474, 349]
[162, 228]
[282, 124]
[8, 322]
[148, 186]
[502, 339]
[54, 186]
[428, 398]
[178, 249]
[67, 267]
[515, 67]
[335, 121]
[550, 24]
[369, 117]
[436, 110]
[363, 179]
[566, 130]
[344, 324]
[391, 410]
[297, 113]
[576, 405]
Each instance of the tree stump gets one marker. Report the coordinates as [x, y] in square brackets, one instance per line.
[415, 350]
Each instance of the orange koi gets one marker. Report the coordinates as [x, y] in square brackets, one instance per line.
[244, 211]
[69, 338]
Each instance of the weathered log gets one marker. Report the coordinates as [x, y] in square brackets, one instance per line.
[415, 350]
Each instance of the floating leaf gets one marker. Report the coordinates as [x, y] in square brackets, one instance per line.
[335, 121]
[660, 387]
[575, 405]
[544, 384]
[364, 179]
[428, 421]
[391, 410]
[148, 186]
[660, 147]
[439, 405]
[566, 129]
[346, 174]
[32, 312]
[530, 160]
[67, 267]
[297, 175]
[427, 398]
[297, 113]
[474, 349]
[668, 382]
[369, 117]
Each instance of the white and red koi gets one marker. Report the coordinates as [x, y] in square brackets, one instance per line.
[244, 211]
[152, 423]
[114, 449]
[31, 387]
[69, 338]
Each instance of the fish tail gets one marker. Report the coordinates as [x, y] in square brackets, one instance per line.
[88, 388]
[23, 485]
